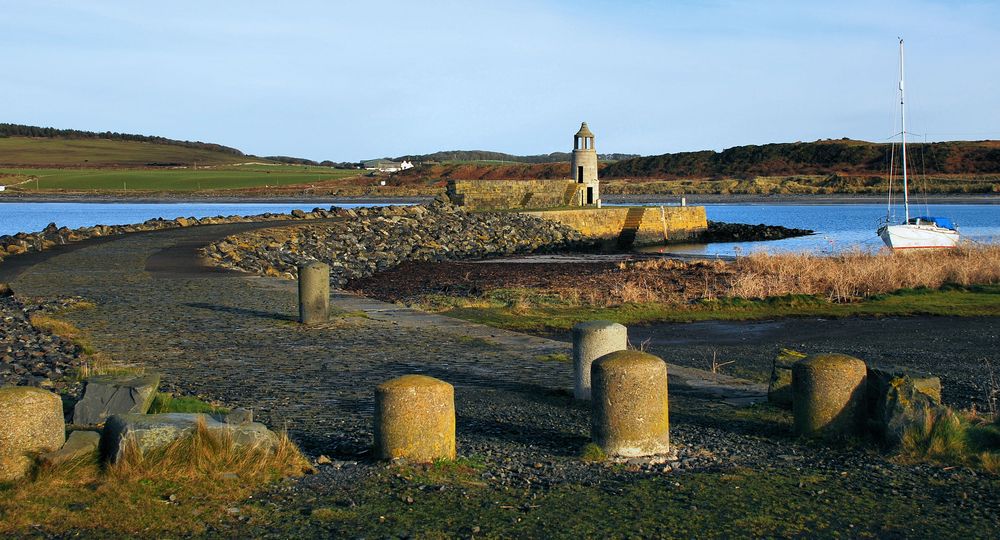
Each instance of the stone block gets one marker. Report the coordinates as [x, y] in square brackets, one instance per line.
[314, 292]
[32, 423]
[415, 419]
[779, 390]
[151, 432]
[107, 395]
[592, 340]
[829, 395]
[898, 398]
[630, 414]
[78, 445]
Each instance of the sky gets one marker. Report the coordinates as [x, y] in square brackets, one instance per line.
[346, 81]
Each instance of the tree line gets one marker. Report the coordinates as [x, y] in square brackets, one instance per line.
[820, 157]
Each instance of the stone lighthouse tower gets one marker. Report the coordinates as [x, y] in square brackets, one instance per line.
[584, 167]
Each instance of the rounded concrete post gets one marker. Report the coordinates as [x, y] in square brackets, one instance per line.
[592, 340]
[415, 419]
[828, 395]
[32, 422]
[314, 292]
[629, 411]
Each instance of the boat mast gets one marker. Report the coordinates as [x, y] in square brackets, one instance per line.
[902, 116]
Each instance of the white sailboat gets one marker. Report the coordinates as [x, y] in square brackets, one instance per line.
[920, 232]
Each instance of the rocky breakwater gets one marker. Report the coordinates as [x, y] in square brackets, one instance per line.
[53, 235]
[370, 240]
[742, 232]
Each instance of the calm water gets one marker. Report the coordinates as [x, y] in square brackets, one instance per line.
[838, 226]
[30, 217]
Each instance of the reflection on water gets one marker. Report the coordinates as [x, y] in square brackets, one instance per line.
[839, 227]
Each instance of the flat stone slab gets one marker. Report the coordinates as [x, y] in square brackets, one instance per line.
[152, 432]
[108, 395]
[79, 444]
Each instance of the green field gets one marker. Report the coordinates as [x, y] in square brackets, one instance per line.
[169, 179]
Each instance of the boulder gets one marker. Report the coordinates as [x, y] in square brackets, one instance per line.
[32, 421]
[779, 391]
[107, 395]
[898, 398]
[151, 432]
[79, 444]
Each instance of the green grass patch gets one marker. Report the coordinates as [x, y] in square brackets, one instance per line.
[553, 314]
[169, 179]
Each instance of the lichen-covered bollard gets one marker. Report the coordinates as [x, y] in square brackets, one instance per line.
[314, 292]
[31, 422]
[415, 419]
[592, 340]
[828, 395]
[629, 408]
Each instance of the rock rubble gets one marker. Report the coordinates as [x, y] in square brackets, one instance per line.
[370, 240]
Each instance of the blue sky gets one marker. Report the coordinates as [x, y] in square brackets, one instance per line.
[357, 80]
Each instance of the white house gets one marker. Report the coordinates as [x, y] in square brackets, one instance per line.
[387, 166]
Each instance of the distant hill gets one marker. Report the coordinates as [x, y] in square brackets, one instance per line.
[485, 155]
[811, 158]
[19, 130]
[33, 146]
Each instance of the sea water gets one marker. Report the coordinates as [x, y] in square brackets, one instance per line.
[18, 217]
[838, 227]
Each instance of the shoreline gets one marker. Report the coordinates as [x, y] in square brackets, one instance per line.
[615, 199]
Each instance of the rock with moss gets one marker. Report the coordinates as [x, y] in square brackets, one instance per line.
[897, 399]
[32, 421]
[779, 390]
[152, 432]
[829, 395]
[108, 395]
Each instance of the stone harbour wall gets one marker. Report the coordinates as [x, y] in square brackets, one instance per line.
[371, 240]
[650, 225]
[507, 194]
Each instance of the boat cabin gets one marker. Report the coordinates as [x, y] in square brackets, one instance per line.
[943, 222]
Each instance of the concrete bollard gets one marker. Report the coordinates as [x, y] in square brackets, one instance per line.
[630, 414]
[32, 421]
[828, 395]
[314, 292]
[415, 419]
[592, 340]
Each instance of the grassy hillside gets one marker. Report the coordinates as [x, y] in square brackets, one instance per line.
[822, 167]
[59, 152]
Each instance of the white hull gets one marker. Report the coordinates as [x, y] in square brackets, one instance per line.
[918, 236]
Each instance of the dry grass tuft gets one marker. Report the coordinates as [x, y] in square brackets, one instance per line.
[206, 454]
[935, 437]
[174, 492]
[855, 275]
